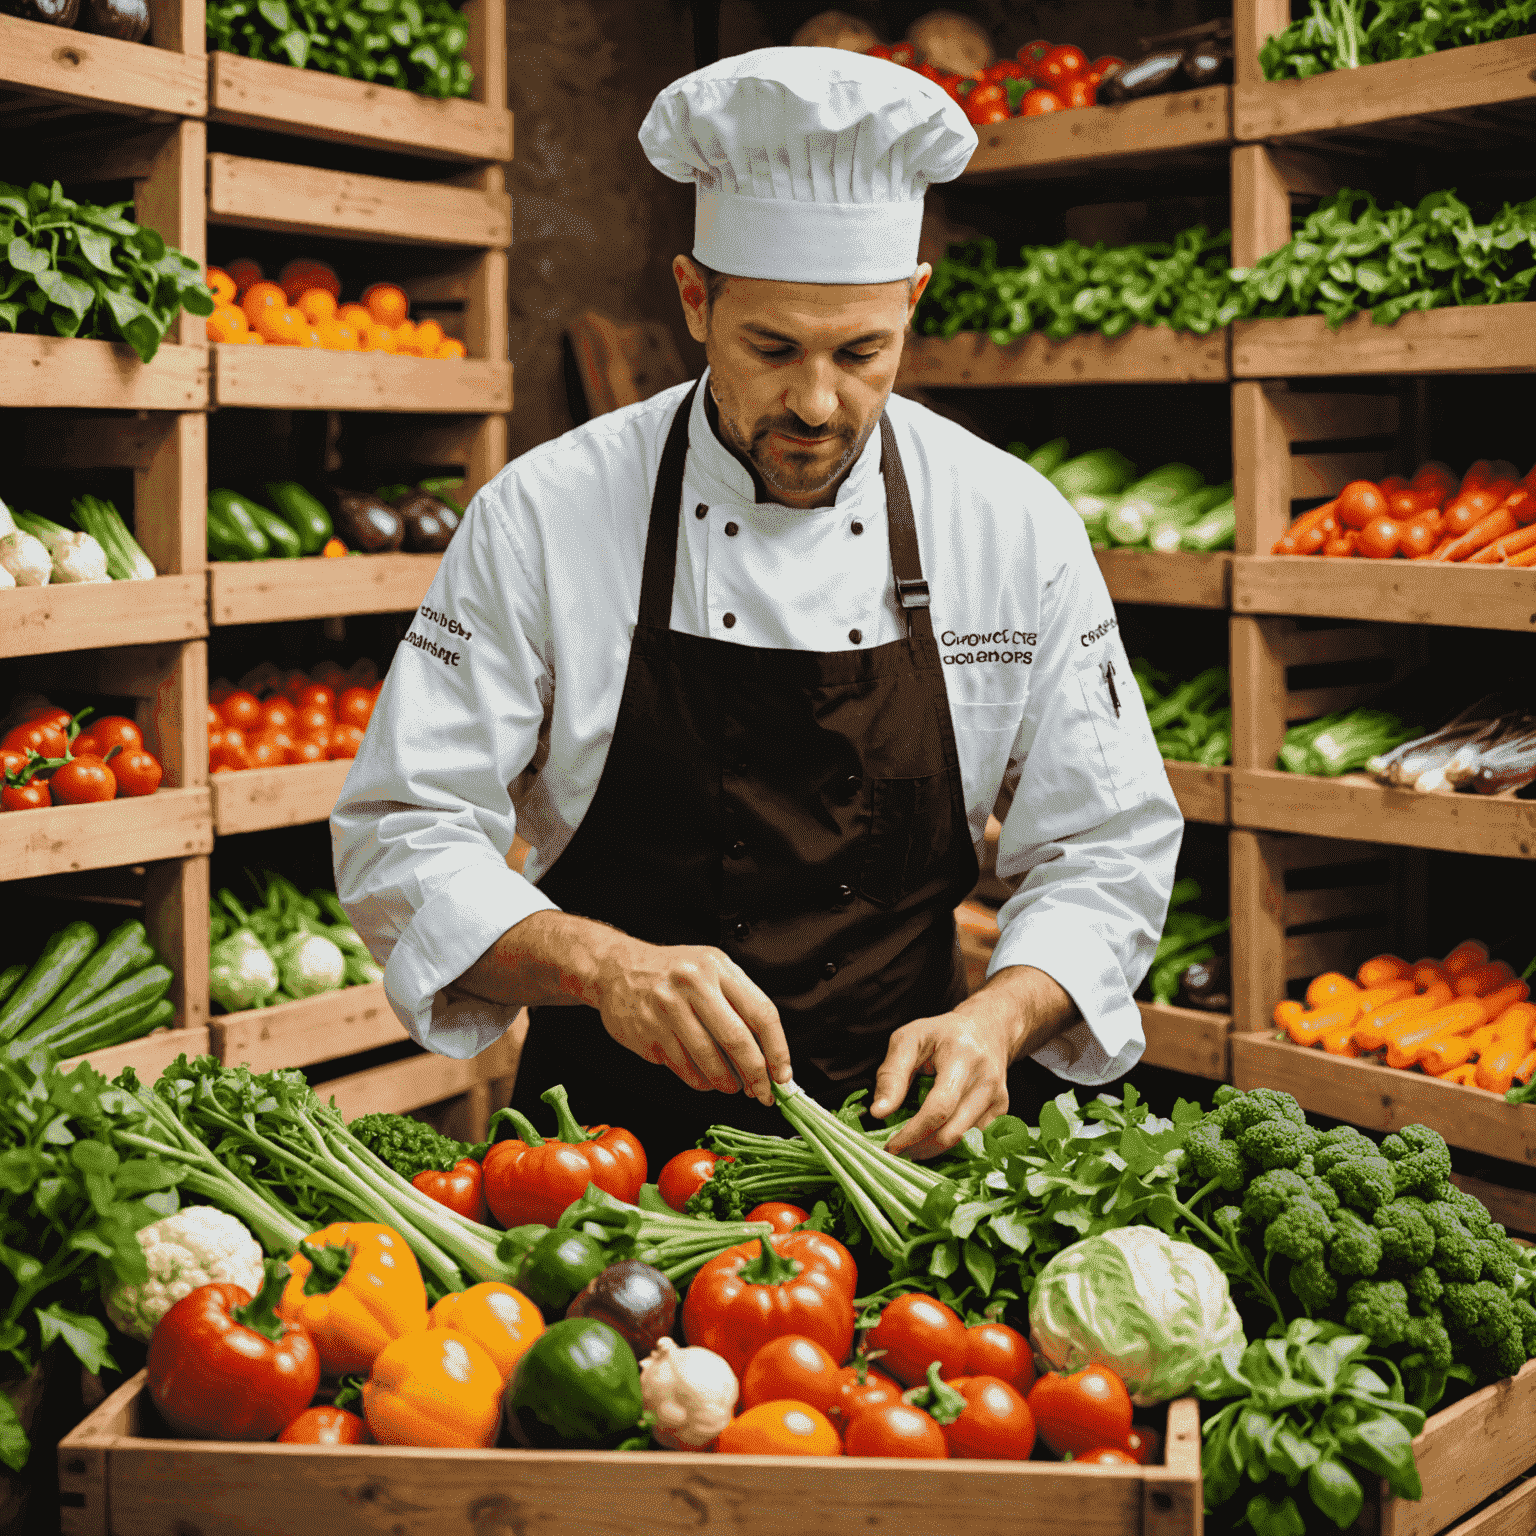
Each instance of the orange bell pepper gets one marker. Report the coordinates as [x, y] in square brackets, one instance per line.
[434, 1388]
[502, 1321]
[354, 1286]
[1329, 987]
[1465, 1076]
[1381, 969]
[1459, 1018]
[1374, 1029]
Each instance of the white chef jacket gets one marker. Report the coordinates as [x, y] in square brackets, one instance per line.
[516, 661]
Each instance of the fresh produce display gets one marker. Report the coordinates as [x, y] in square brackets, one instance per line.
[413, 45]
[1345, 34]
[1187, 724]
[51, 757]
[70, 268]
[1464, 1019]
[1341, 742]
[289, 947]
[275, 718]
[1488, 749]
[1185, 947]
[303, 308]
[35, 551]
[420, 519]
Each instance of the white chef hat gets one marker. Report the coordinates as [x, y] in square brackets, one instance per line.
[810, 163]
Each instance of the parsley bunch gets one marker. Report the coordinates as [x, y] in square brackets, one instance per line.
[80, 269]
[415, 45]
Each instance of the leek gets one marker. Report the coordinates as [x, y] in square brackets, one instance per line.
[126, 560]
[1104, 472]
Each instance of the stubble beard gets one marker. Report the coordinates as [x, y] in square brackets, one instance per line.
[783, 468]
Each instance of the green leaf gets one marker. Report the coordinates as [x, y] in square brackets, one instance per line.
[85, 1337]
[1336, 1491]
[1014, 1229]
[944, 1260]
[14, 1445]
[1382, 1445]
[980, 1264]
[26, 257]
[69, 293]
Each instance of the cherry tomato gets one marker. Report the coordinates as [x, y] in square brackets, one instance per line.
[784, 1428]
[995, 1425]
[948, 83]
[1379, 538]
[48, 714]
[1416, 539]
[230, 751]
[215, 719]
[318, 696]
[307, 751]
[346, 741]
[1143, 1444]
[897, 53]
[985, 97]
[995, 1349]
[44, 737]
[1032, 53]
[780, 1214]
[138, 773]
[1359, 502]
[684, 1176]
[1081, 92]
[264, 752]
[277, 714]
[1081, 1412]
[314, 724]
[83, 781]
[99, 738]
[1004, 69]
[1107, 1456]
[293, 685]
[1101, 67]
[326, 1426]
[858, 1388]
[30, 796]
[241, 708]
[12, 761]
[895, 1429]
[916, 1330]
[1064, 62]
[1040, 101]
[985, 116]
[355, 707]
[792, 1366]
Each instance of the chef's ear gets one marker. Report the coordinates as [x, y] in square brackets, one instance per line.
[693, 289]
[915, 285]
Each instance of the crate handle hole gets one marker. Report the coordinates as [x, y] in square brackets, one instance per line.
[1162, 1502]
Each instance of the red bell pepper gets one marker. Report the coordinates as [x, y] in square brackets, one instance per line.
[461, 1188]
[532, 1179]
[223, 1366]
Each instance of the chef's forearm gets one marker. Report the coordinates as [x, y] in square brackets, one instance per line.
[1026, 1005]
[550, 959]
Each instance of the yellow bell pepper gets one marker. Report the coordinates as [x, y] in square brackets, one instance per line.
[502, 1321]
[354, 1287]
[435, 1388]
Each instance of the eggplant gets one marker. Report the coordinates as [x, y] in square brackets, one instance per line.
[364, 522]
[1207, 984]
[1146, 77]
[52, 13]
[124, 19]
[429, 523]
[1208, 63]
[636, 1301]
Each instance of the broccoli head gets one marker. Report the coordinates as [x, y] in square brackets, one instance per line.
[1499, 1264]
[1320, 1190]
[1270, 1193]
[1239, 1112]
[1213, 1158]
[1300, 1231]
[1474, 1214]
[1427, 1335]
[1480, 1314]
[1424, 1286]
[1457, 1255]
[1340, 1144]
[1356, 1246]
[1525, 1319]
[1276, 1143]
[1421, 1161]
[1314, 1286]
[1362, 1183]
[1378, 1309]
[1407, 1239]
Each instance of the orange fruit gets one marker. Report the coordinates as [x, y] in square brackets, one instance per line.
[428, 335]
[227, 323]
[355, 316]
[254, 339]
[375, 338]
[405, 339]
[336, 337]
[308, 335]
[258, 299]
[304, 273]
[244, 274]
[387, 304]
[317, 305]
[221, 284]
[282, 327]
[450, 349]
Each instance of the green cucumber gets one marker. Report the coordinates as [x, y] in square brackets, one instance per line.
[111, 962]
[1217, 529]
[286, 544]
[9, 978]
[148, 985]
[1049, 457]
[62, 956]
[302, 513]
[236, 528]
[121, 1025]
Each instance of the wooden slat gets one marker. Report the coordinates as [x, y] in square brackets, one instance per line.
[1321, 418]
[1261, 205]
[1261, 481]
[1203, 793]
[1382, 1098]
[1149, 354]
[1356, 806]
[1513, 1515]
[1178, 580]
[1256, 875]
[1488, 74]
[256, 93]
[297, 378]
[300, 199]
[176, 915]
[1311, 953]
[313, 1029]
[169, 824]
[402, 1086]
[170, 498]
[1186, 1040]
[1308, 647]
[1399, 591]
[265, 591]
[1479, 338]
[1296, 852]
[47, 371]
[1326, 474]
[149, 1057]
[101, 72]
[1310, 703]
[1253, 23]
[79, 615]
[1513, 1209]
[258, 798]
[1331, 904]
[1089, 137]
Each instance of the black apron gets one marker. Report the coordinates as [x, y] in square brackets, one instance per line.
[801, 811]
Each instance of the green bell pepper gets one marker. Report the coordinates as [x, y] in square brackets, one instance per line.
[558, 1266]
[577, 1384]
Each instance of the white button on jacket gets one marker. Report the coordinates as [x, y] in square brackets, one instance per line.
[516, 660]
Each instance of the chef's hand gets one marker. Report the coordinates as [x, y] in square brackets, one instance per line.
[693, 1009]
[968, 1051]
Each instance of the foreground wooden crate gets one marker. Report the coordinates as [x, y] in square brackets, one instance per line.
[116, 1475]
[257, 798]
[267, 591]
[1186, 1040]
[1180, 580]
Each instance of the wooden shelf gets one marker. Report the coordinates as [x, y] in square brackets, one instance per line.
[1186, 1040]
[1356, 806]
[255, 93]
[1399, 591]
[169, 824]
[1091, 138]
[313, 1029]
[301, 200]
[1149, 354]
[77, 616]
[149, 1056]
[100, 73]
[399, 1087]
[1471, 338]
[1204, 794]
[254, 799]
[1403, 100]
[266, 591]
[54, 371]
[1178, 580]
[305, 379]
[1379, 1098]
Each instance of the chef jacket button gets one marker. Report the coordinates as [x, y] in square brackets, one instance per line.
[738, 848]
[857, 528]
[731, 530]
[741, 930]
[829, 970]
[729, 620]
[856, 635]
[701, 511]
[845, 893]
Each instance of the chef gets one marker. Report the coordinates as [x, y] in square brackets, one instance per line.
[748, 665]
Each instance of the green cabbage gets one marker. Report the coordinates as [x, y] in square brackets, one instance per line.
[1155, 1311]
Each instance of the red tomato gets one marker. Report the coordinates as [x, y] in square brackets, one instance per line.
[215, 719]
[138, 773]
[326, 1426]
[30, 796]
[780, 1214]
[914, 1331]
[309, 751]
[460, 1188]
[995, 1424]
[1359, 502]
[41, 736]
[897, 53]
[1081, 1412]
[985, 116]
[984, 98]
[241, 708]
[858, 1388]
[314, 724]
[346, 741]
[83, 781]
[318, 696]
[995, 1349]
[1004, 69]
[1416, 539]
[108, 732]
[1101, 67]
[1143, 1444]
[264, 752]
[12, 761]
[1081, 92]
[355, 707]
[792, 1366]
[1379, 538]
[1039, 101]
[277, 714]
[1063, 63]
[1435, 478]
[684, 1176]
[59, 717]
[1107, 1456]
[293, 685]
[1032, 53]
[230, 751]
[895, 1429]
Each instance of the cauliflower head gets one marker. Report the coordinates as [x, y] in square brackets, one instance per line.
[197, 1246]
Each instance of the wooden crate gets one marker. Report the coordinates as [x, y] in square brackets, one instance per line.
[1148, 354]
[1186, 1040]
[60, 371]
[267, 591]
[36, 619]
[1178, 580]
[148, 1057]
[255, 799]
[1204, 794]
[294, 378]
[116, 1474]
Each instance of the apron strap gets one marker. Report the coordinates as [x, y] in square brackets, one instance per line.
[660, 573]
[906, 562]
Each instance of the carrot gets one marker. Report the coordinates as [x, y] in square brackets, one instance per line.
[1381, 969]
[1437, 551]
[1465, 1075]
[1525, 557]
[1468, 953]
[1304, 526]
[1521, 502]
[1510, 1042]
[1511, 544]
[1329, 987]
[1342, 545]
[1496, 1070]
[1339, 1041]
[1373, 1030]
[1494, 1003]
[1449, 1052]
[1460, 1017]
[1483, 979]
[1494, 525]
[1310, 1028]
[1527, 1068]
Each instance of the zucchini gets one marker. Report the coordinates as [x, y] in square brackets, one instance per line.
[111, 962]
[62, 956]
[285, 542]
[1049, 457]
[122, 1024]
[302, 513]
[1217, 529]
[8, 979]
[149, 985]
[229, 519]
